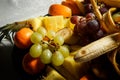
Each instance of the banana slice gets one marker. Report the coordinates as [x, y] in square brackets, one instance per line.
[68, 35]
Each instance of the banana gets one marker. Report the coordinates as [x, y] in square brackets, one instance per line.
[72, 70]
[68, 35]
[97, 48]
[112, 57]
[113, 3]
[52, 74]
[107, 17]
[99, 15]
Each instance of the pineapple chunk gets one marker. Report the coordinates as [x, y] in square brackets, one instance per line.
[69, 24]
[54, 23]
[52, 74]
[72, 70]
[36, 22]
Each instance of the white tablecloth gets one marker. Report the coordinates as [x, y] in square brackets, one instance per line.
[18, 10]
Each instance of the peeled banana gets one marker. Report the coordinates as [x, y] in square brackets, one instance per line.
[97, 48]
[68, 35]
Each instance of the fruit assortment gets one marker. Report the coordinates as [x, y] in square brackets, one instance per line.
[72, 42]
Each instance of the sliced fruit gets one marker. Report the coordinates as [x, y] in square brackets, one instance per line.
[54, 23]
[35, 22]
[68, 35]
[72, 70]
[52, 74]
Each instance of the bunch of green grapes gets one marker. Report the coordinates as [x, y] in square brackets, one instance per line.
[49, 47]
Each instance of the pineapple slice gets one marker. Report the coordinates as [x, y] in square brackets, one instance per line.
[54, 23]
[72, 70]
[69, 24]
[35, 22]
[52, 74]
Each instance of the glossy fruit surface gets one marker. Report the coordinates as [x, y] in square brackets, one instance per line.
[31, 65]
[58, 9]
[22, 38]
[73, 6]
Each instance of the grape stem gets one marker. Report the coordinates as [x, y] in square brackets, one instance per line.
[52, 46]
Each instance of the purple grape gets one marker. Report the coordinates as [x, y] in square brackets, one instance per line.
[98, 35]
[75, 19]
[90, 16]
[92, 27]
[88, 8]
[103, 10]
[84, 40]
[86, 1]
[79, 28]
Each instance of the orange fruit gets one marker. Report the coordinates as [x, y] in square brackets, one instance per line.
[22, 38]
[58, 9]
[88, 77]
[31, 65]
[72, 5]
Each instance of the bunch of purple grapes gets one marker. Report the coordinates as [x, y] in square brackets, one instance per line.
[88, 28]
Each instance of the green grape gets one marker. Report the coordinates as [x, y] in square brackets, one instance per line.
[64, 50]
[36, 37]
[57, 58]
[58, 39]
[46, 56]
[42, 31]
[35, 50]
[50, 34]
[44, 46]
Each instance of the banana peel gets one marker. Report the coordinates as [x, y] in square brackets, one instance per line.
[112, 57]
[106, 20]
[112, 3]
[72, 70]
[99, 15]
[107, 17]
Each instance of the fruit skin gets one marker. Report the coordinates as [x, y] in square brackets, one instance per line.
[22, 38]
[113, 3]
[58, 9]
[31, 65]
[72, 5]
